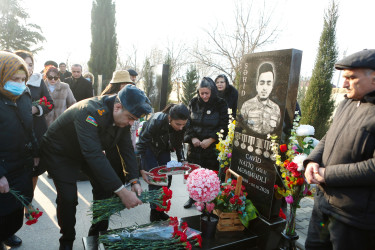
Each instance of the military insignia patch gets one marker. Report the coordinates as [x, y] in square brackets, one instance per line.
[91, 120]
[100, 112]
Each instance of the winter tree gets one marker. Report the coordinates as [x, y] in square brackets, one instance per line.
[317, 106]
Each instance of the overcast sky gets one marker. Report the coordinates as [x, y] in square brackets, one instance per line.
[147, 24]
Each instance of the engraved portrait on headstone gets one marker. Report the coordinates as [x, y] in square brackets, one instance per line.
[267, 98]
[260, 113]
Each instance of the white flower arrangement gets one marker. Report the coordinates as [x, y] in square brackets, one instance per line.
[314, 141]
[305, 130]
[298, 159]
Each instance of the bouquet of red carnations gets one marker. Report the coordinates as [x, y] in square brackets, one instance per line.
[103, 209]
[169, 234]
[33, 214]
[43, 102]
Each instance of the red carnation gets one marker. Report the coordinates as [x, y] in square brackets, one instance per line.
[199, 239]
[184, 225]
[188, 245]
[296, 174]
[30, 222]
[281, 214]
[300, 181]
[292, 167]
[283, 148]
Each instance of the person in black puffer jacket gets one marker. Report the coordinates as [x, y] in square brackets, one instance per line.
[228, 92]
[209, 115]
[162, 134]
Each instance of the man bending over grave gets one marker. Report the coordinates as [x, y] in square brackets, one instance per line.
[260, 114]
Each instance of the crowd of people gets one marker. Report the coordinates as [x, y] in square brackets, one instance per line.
[54, 123]
[51, 121]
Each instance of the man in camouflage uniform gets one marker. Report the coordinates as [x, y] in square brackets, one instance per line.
[261, 114]
[80, 135]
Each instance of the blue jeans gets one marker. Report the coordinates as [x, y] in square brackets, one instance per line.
[149, 161]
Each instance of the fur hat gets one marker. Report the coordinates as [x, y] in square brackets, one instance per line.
[135, 101]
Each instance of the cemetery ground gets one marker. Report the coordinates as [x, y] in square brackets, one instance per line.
[45, 233]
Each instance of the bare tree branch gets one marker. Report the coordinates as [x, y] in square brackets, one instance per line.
[225, 50]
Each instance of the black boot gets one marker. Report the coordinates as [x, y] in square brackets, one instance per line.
[189, 203]
[158, 216]
[66, 246]
[13, 241]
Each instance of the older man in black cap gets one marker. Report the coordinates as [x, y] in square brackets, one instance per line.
[343, 165]
[80, 135]
[133, 74]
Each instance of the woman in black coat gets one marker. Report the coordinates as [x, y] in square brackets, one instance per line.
[228, 92]
[18, 147]
[209, 115]
[38, 89]
[162, 134]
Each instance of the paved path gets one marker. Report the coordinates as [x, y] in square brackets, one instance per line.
[303, 219]
[44, 235]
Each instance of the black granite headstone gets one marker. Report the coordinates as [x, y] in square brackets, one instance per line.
[268, 92]
[158, 87]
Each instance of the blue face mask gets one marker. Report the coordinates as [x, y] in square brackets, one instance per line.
[15, 88]
[88, 79]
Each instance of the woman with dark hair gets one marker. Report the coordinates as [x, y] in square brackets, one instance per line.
[162, 134]
[18, 145]
[61, 94]
[38, 89]
[209, 115]
[228, 92]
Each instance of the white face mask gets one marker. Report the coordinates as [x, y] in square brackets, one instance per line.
[15, 88]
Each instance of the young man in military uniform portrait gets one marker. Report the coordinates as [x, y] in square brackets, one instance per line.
[81, 134]
[260, 114]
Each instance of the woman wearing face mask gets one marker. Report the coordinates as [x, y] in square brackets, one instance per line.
[90, 77]
[162, 134]
[60, 92]
[18, 147]
[228, 92]
[209, 115]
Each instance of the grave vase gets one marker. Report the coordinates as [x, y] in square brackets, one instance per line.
[208, 225]
[289, 235]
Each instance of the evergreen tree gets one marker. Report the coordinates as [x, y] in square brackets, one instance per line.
[168, 61]
[317, 107]
[104, 40]
[15, 31]
[147, 76]
[302, 88]
[189, 85]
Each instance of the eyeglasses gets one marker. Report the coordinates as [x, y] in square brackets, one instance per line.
[53, 77]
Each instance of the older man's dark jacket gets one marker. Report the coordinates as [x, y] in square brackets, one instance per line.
[347, 152]
[80, 135]
[81, 88]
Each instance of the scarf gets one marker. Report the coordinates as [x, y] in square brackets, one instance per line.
[9, 64]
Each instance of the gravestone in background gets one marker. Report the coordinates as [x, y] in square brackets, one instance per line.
[158, 88]
[266, 105]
